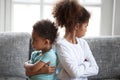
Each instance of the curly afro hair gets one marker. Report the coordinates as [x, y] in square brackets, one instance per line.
[46, 29]
[69, 12]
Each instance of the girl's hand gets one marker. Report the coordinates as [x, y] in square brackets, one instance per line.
[85, 60]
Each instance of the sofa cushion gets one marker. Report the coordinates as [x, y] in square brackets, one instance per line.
[11, 78]
[110, 79]
[14, 51]
[102, 79]
[106, 51]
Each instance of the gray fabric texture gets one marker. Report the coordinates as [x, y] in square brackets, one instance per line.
[11, 78]
[106, 51]
[14, 51]
[103, 79]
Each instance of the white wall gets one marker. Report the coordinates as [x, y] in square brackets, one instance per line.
[110, 22]
[106, 17]
[2, 10]
[8, 15]
[116, 18]
[5, 15]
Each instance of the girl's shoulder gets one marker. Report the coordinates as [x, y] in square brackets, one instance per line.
[64, 42]
[81, 40]
[60, 41]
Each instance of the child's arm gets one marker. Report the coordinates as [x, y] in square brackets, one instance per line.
[45, 69]
[34, 67]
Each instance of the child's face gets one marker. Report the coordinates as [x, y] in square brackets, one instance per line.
[38, 43]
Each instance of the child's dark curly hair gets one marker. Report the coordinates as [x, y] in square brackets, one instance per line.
[69, 12]
[46, 29]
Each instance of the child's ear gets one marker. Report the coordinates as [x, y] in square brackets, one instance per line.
[47, 41]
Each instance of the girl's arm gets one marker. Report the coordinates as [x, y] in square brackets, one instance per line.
[86, 68]
[92, 68]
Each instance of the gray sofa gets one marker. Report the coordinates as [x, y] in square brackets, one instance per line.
[106, 51]
[15, 49]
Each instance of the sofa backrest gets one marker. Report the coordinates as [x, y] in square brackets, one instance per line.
[106, 51]
[14, 51]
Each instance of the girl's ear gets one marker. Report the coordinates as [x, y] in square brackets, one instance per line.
[77, 26]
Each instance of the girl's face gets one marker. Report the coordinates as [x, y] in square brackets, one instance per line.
[81, 30]
[38, 43]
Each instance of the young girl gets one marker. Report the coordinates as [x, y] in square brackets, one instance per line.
[76, 61]
[43, 36]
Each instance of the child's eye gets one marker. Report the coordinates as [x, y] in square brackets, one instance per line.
[35, 40]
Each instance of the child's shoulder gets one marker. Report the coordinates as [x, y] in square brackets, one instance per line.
[34, 53]
[51, 51]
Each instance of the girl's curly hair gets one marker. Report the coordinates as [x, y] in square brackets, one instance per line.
[69, 12]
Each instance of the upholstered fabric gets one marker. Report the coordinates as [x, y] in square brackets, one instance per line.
[106, 51]
[12, 78]
[14, 51]
[102, 79]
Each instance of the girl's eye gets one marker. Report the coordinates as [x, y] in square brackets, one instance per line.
[85, 26]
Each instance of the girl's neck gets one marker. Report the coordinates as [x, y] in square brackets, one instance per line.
[70, 37]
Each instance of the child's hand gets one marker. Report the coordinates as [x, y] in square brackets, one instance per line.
[44, 70]
[25, 64]
[48, 69]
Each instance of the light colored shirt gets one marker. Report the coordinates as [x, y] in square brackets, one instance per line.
[49, 56]
[76, 61]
